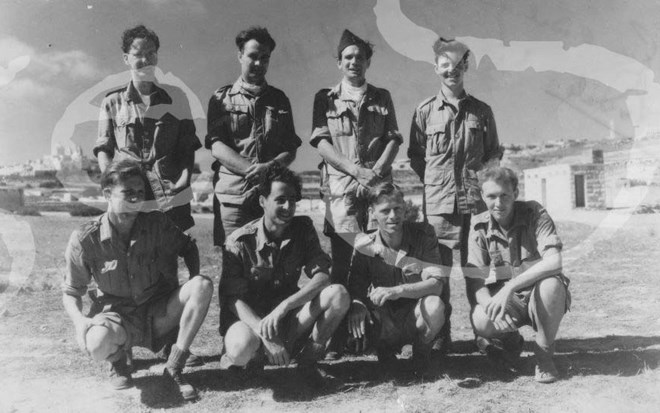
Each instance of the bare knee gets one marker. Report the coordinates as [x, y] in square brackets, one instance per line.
[100, 343]
[430, 316]
[241, 344]
[551, 287]
[202, 287]
[335, 297]
[482, 324]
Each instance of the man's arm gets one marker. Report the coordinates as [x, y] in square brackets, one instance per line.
[430, 286]
[104, 159]
[384, 164]
[230, 159]
[365, 176]
[76, 279]
[492, 150]
[417, 146]
[73, 307]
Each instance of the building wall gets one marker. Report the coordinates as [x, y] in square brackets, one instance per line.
[11, 199]
[558, 187]
[594, 180]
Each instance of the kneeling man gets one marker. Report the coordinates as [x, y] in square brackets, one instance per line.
[396, 281]
[127, 253]
[263, 310]
[515, 271]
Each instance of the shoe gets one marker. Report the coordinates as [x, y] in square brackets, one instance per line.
[546, 373]
[192, 361]
[421, 358]
[442, 343]
[311, 353]
[186, 389]
[333, 356]
[120, 374]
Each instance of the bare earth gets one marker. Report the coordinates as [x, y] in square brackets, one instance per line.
[608, 346]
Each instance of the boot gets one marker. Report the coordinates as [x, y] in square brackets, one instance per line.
[174, 372]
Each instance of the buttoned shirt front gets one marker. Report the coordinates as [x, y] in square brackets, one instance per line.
[502, 255]
[161, 135]
[257, 127]
[359, 131]
[263, 272]
[126, 274]
[375, 264]
[454, 144]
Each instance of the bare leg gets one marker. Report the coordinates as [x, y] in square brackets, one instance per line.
[241, 344]
[429, 317]
[550, 305]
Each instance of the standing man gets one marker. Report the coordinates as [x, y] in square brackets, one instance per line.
[397, 282]
[263, 309]
[250, 127]
[452, 136]
[515, 274]
[151, 124]
[126, 252]
[356, 134]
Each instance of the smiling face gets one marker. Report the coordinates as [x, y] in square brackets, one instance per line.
[353, 64]
[125, 200]
[254, 60]
[451, 69]
[389, 211]
[280, 205]
[499, 198]
[142, 58]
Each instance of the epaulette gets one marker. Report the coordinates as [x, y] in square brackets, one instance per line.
[87, 228]
[426, 102]
[121, 89]
[481, 219]
[247, 229]
[221, 91]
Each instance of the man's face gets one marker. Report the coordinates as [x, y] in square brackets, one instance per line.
[126, 198]
[451, 68]
[254, 60]
[389, 212]
[499, 198]
[142, 58]
[280, 206]
[353, 64]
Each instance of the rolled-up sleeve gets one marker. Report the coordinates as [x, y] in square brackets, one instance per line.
[290, 140]
[478, 262]
[175, 241]
[78, 274]
[106, 133]
[546, 232]
[233, 283]
[432, 265]
[218, 127]
[359, 277]
[320, 128]
[316, 260]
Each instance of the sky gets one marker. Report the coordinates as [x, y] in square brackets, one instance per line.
[550, 70]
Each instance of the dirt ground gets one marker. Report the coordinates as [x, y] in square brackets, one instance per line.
[608, 350]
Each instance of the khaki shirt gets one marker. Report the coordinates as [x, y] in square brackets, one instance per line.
[453, 146]
[502, 256]
[262, 272]
[376, 265]
[360, 136]
[160, 136]
[257, 127]
[126, 274]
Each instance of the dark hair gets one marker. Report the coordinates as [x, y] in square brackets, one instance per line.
[498, 174]
[138, 32]
[120, 171]
[257, 33]
[278, 173]
[384, 189]
[443, 45]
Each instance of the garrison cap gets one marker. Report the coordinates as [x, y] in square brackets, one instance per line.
[454, 49]
[349, 39]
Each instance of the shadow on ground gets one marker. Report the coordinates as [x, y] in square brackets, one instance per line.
[611, 355]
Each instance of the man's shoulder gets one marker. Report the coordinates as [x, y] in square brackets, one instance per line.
[221, 92]
[302, 221]
[478, 103]
[426, 103]
[480, 221]
[246, 231]
[531, 209]
[365, 243]
[86, 232]
[378, 91]
[420, 229]
[115, 94]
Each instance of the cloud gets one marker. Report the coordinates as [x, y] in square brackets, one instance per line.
[27, 73]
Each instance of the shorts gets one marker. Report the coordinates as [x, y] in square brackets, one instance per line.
[394, 324]
[451, 229]
[523, 308]
[345, 214]
[136, 321]
[234, 216]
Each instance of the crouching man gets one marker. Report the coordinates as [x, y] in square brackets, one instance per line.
[515, 273]
[263, 310]
[397, 283]
[127, 253]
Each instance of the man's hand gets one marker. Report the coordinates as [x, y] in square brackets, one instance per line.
[358, 317]
[82, 326]
[170, 188]
[496, 310]
[380, 295]
[269, 325]
[253, 173]
[275, 351]
[366, 177]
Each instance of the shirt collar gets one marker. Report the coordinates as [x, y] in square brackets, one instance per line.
[443, 99]
[263, 240]
[519, 220]
[105, 229]
[236, 89]
[380, 247]
[369, 94]
[160, 95]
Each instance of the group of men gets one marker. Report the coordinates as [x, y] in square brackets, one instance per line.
[386, 283]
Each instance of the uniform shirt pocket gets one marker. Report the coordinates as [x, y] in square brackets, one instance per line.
[437, 140]
[125, 132]
[240, 121]
[339, 122]
[475, 138]
[377, 115]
